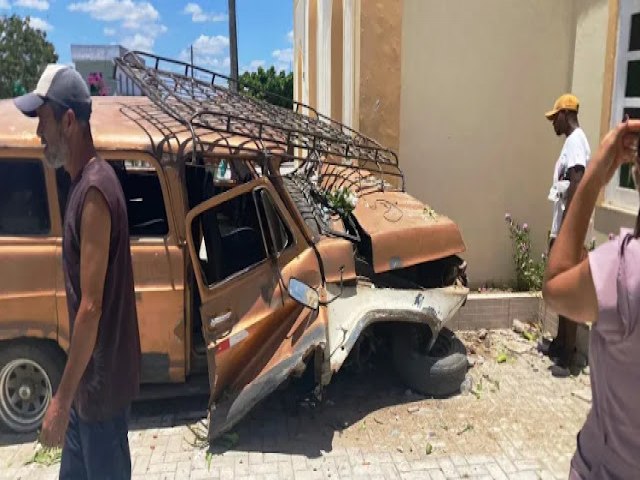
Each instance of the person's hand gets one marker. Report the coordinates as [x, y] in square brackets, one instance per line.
[54, 426]
[618, 147]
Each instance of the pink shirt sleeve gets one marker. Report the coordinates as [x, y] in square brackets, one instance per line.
[615, 270]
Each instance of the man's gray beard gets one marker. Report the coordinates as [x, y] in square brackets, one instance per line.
[56, 159]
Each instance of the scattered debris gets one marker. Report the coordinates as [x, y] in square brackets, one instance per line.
[495, 383]
[400, 449]
[482, 333]
[378, 420]
[467, 385]
[208, 457]
[501, 358]
[429, 449]
[474, 360]
[518, 347]
[519, 327]
[413, 409]
[584, 394]
[467, 428]
[45, 456]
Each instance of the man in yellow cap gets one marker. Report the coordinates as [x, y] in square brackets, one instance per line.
[567, 173]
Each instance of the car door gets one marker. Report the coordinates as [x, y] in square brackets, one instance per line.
[245, 248]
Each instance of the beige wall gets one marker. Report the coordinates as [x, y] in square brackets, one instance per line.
[380, 70]
[588, 65]
[476, 80]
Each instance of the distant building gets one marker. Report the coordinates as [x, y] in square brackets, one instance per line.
[90, 60]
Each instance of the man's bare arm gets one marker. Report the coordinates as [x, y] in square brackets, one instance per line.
[95, 232]
[575, 175]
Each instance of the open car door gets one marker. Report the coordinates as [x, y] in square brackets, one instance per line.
[245, 248]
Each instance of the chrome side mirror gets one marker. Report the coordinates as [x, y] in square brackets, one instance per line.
[303, 294]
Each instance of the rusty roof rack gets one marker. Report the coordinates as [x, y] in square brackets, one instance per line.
[194, 97]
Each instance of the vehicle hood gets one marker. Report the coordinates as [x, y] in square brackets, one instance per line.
[400, 231]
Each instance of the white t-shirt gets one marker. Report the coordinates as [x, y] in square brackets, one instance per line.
[575, 151]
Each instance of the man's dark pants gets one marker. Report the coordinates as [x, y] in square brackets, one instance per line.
[96, 450]
[563, 345]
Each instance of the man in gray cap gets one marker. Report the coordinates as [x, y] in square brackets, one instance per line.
[88, 413]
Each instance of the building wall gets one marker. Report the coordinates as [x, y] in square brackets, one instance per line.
[380, 70]
[85, 67]
[590, 85]
[477, 78]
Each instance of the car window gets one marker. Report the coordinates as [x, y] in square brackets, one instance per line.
[24, 209]
[145, 201]
[279, 234]
[228, 238]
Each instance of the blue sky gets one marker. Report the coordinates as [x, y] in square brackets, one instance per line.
[168, 28]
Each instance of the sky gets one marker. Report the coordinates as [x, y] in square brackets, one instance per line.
[168, 28]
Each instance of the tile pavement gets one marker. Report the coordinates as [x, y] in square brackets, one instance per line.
[369, 427]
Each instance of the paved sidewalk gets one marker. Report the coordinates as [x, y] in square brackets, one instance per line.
[519, 422]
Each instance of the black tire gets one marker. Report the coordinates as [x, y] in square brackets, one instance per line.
[436, 374]
[30, 373]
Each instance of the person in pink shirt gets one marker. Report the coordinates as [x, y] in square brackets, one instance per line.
[604, 289]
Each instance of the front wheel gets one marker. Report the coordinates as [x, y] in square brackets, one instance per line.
[438, 373]
[29, 375]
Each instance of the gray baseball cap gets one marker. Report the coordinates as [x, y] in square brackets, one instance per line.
[60, 84]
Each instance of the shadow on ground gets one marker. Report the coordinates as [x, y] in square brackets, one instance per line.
[292, 421]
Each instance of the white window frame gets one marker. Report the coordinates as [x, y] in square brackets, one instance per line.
[624, 198]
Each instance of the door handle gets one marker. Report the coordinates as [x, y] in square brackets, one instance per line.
[219, 322]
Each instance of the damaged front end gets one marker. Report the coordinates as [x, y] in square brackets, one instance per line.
[407, 271]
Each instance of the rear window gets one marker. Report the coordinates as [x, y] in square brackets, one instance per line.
[24, 209]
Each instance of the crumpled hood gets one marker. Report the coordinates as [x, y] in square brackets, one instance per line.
[401, 231]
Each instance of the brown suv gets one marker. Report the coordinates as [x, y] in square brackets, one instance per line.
[250, 259]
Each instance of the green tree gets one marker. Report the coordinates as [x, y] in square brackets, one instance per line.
[24, 54]
[275, 88]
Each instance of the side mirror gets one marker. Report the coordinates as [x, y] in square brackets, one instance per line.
[304, 294]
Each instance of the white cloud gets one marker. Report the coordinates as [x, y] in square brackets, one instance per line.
[209, 52]
[198, 15]
[35, 4]
[283, 58]
[138, 22]
[290, 36]
[4, 4]
[255, 64]
[40, 24]
[130, 13]
[138, 42]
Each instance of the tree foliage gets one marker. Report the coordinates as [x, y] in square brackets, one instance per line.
[24, 54]
[275, 88]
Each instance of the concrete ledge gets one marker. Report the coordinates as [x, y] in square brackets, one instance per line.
[497, 310]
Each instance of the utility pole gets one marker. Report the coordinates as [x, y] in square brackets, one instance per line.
[233, 46]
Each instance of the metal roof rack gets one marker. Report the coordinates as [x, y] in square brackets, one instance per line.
[202, 101]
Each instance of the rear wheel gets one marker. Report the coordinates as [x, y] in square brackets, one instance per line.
[29, 375]
[438, 373]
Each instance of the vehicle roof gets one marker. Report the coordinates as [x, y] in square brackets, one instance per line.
[117, 123]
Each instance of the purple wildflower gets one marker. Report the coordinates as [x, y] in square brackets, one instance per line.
[525, 227]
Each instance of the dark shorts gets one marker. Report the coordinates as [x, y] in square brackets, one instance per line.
[96, 450]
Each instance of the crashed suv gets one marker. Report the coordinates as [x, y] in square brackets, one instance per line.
[264, 240]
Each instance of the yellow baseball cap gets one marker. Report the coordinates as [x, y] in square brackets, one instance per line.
[564, 102]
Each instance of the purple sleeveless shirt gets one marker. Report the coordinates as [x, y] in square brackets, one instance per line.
[112, 378]
[609, 442]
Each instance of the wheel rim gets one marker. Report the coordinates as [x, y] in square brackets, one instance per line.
[25, 392]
